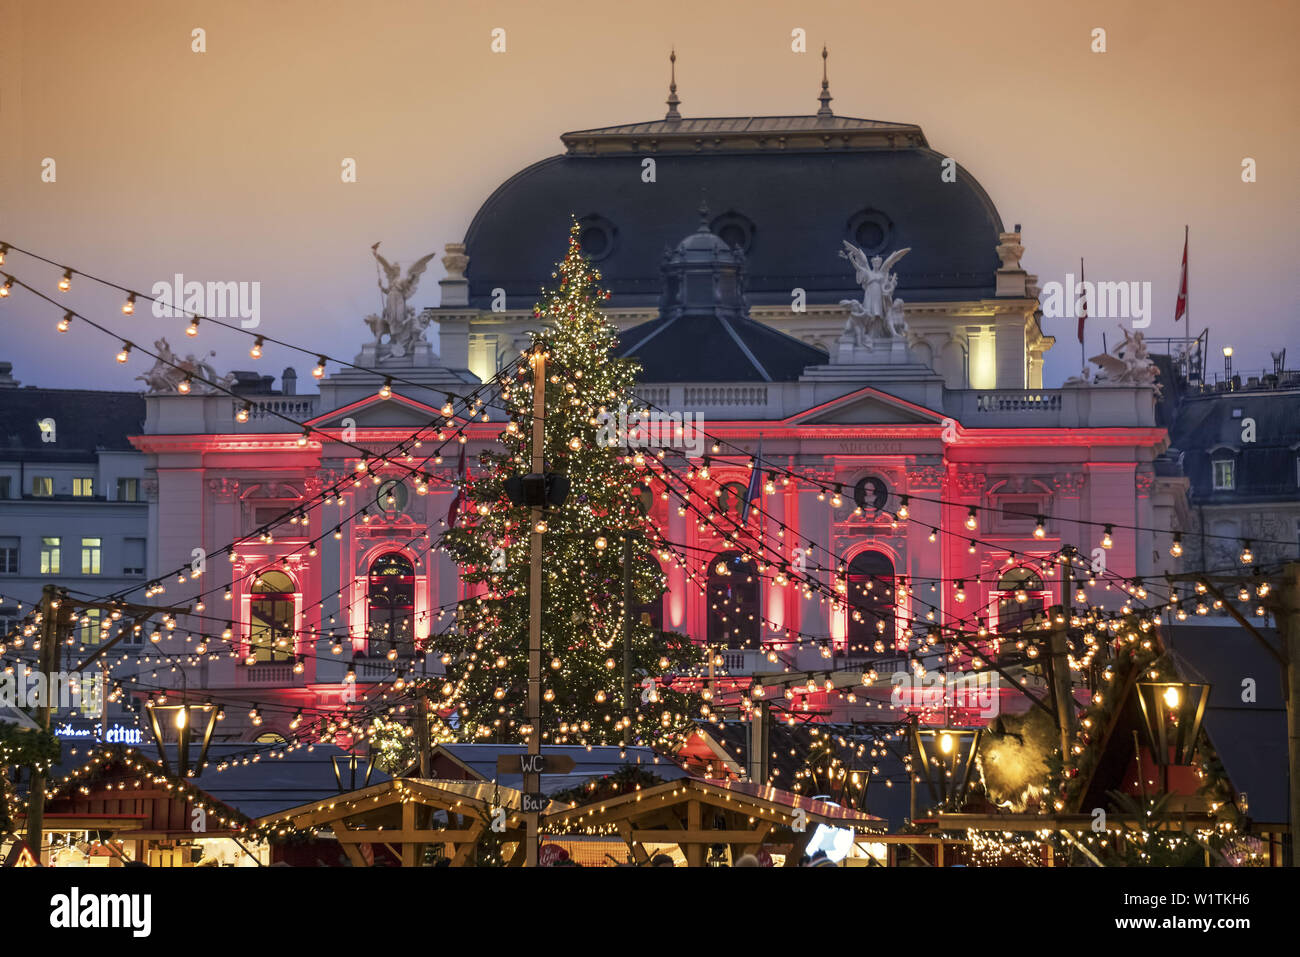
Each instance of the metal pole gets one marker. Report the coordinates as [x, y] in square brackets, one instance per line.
[627, 638]
[50, 612]
[1061, 678]
[532, 781]
[1288, 619]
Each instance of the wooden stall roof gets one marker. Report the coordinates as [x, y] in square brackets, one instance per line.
[760, 800]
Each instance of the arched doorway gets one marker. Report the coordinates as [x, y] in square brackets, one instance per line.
[733, 600]
[871, 601]
[1022, 599]
[390, 616]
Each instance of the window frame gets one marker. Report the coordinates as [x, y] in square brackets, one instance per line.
[83, 486]
[264, 651]
[48, 481]
[1231, 463]
[8, 552]
[54, 566]
[95, 552]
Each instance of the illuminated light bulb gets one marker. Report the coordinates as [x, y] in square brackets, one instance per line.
[1176, 549]
[7, 287]
[1246, 555]
[66, 282]
[1171, 697]
[971, 547]
[64, 322]
[128, 307]
[769, 486]
[836, 499]
[298, 667]
[306, 434]
[1106, 540]
[4, 249]
[555, 664]
[182, 716]
[124, 352]
[601, 543]
[903, 510]
[934, 535]
[1040, 529]
[575, 444]
[184, 386]
[192, 329]
[704, 469]
[971, 519]
[256, 350]
[540, 528]
[386, 390]
[242, 414]
[319, 371]
[960, 594]
[945, 743]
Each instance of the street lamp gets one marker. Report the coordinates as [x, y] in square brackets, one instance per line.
[945, 757]
[1227, 363]
[1172, 712]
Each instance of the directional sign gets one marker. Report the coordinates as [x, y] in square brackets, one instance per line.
[534, 764]
[534, 802]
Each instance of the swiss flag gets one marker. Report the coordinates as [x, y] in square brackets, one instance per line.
[1180, 308]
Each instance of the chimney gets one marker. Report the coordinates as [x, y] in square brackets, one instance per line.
[289, 382]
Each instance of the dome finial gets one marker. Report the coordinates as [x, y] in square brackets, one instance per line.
[672, 88]
[703, 210]
[825, 97]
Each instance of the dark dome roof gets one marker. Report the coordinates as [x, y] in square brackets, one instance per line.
[788, 209]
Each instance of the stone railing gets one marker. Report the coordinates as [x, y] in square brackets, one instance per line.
[295, 407]
[1032, 401]
[270, 673]
[694, 397]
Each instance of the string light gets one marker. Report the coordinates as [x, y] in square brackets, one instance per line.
[319, 371]
[192, 329]
[124, 352]
[128, 307]
[255, 350]
[972, 519]
[1106, 540]
[1176, 549]
[64, 322]
[7, 287]
[65, 282]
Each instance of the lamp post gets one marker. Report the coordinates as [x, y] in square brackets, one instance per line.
[1172, 712]
[946, 756]
[1227, 365]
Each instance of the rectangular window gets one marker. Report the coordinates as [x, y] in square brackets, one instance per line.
[83, 487]
[42, 486]
[1225, 474]
[50, 547]
[9, 556]
[9, 619]
[90, 554]
[6, 486]
[90, 634]
[128, 490]
[133, 556]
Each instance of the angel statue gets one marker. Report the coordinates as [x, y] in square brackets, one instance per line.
[398, 321]
[1127, 364]
[878, 315]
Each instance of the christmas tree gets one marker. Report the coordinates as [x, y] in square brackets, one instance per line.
[486, 655]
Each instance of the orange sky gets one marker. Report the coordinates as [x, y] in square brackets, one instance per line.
[225, 165]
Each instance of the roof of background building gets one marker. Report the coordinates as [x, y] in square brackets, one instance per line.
[84, 423]
[1250, 737]
[788, 204]
[594, 762]
[1213, 422]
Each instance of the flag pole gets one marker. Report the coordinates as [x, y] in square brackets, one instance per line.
[1083, 351]
[1187, 311]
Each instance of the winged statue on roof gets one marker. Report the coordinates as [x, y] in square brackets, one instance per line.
[1127, 364]
[878, 315]
[398, 320]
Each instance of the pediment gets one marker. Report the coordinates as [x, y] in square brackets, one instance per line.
[375, 413]
[867, 406]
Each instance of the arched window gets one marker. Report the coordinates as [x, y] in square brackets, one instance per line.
[271, 737]
[391, 606]
[270, 629]
[871, 601]
[1022, 599]
[733, 601]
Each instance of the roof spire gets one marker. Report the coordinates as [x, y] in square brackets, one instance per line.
[825, 97]
[672, 88]
[703, 210]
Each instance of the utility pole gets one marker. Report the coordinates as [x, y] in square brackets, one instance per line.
[627, 638]
[1288, 620]
[532, 780]
[51, 635]
[1060, 665]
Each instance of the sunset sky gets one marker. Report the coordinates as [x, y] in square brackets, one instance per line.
[225, 165]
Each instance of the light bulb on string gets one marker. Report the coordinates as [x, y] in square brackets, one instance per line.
[124, 352]
[255, 351]
[192, 329]
[319, 371]
[65, 282]
[128, 307]
[64, 322]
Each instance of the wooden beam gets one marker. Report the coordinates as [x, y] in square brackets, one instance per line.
[409, 848]
[697, 836]
[351, 850]
[638, 852]
[467, 846]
